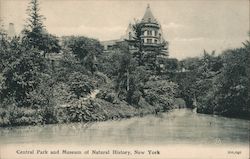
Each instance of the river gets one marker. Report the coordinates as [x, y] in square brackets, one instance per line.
[180, 126]
[180, 133]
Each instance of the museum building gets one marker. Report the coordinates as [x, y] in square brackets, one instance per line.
[151, 34]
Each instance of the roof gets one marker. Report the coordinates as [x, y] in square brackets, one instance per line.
[129, 32]
[148, 16]
[110, 42]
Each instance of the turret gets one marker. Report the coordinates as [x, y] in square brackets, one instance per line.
[151, 32]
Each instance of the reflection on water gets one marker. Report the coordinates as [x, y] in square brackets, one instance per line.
[180, 126]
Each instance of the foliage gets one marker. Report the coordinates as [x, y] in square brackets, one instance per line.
[107, 93]
[219, 84]
[67, 65]
[80, 84]
[35, 34]
[137, 41]
[108, 63]
[198, 76]
[160, 93]
[26, 86]
[85, 49]
[23, 75]
[170, 64]
[39, 89]
[128, 76]
[232, 84]
[9, 52]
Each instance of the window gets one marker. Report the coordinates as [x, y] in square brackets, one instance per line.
[149, 41]
[155, 41]
[149, 32]
[156, 32]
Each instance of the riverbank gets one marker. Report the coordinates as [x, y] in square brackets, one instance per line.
[86, 110]
[101, 110]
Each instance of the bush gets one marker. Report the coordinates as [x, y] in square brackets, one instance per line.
[80, 84]
[108, 94]
[160, 93]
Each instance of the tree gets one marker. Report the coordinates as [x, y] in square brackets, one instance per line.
[232, 84]
[198, 78]
[66, 65]
[137, 41]
[23, 73]
[126, 66]
[3, 32]
[85, 49]
[108, 63]
[160, 93]
[80, 84]
[35, 34]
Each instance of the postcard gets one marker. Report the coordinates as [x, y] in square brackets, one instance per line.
[124, 79]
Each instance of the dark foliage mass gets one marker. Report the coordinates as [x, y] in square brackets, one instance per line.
[85, 50]
[217, 84]
[83, 83]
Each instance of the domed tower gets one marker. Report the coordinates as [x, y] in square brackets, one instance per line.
[151, 35]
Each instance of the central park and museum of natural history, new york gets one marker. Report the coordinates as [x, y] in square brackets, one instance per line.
[88, 73]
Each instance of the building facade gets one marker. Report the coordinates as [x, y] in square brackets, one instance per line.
[151, 34]
[151, 31]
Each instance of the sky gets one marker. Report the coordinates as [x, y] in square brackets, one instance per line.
[190, 26]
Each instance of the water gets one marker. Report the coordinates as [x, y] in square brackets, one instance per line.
[180, 126]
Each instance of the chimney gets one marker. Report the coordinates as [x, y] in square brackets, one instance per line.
[11, 30]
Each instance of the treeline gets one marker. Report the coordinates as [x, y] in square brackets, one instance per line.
[80, 83]
[217, 84]
[36, 89]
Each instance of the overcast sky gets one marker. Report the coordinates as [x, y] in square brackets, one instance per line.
[190, 26]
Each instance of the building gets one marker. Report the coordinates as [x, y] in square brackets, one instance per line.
[151, 30]
[151, 34]
[9, 33]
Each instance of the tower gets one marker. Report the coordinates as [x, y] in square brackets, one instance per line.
[151, 35]
[151, 31]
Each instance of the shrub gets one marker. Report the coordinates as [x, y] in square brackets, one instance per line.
[80, 84]
[160, 93]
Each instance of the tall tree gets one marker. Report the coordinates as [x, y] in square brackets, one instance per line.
[35, 19]
[34, 28]
[137, 28]
[35, 34]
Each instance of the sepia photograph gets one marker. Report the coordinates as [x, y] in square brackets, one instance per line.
[124, 79]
